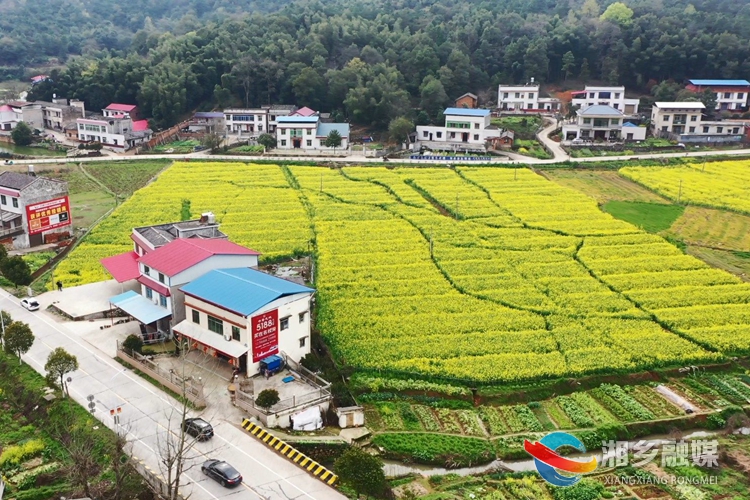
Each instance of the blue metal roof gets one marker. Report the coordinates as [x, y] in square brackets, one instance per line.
[242, 290]
[139, 307]
[297, 119]
[733, 83]
[629, 124]
[466, 112]
[600, 110]
[325, 128]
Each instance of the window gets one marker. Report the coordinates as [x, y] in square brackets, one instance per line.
[235, 333]
[605, 95]
[425, 134]
[260, 118]
[691, 129]
[585, 133]
[518, 94]
[727, 95]
[146, 269]
[719, 130]
[617, 95]
[693, 118]
[309, 131]
[705, 130]
[15, 202]
[283, 142]
[453, 135]
[302, 316]
[476, 137]
[505, 95]
[3, 200]
[284, 323]
[476, 125]
[322, 143]
[162, 300]
[531, 96]
[630, 137]
[439, 134]
[587, 121]
[592, 95]
[740, 95]
[736, 130]
[666, 118]
[303, 342]
[196, 317]
[243, 118]
[616, 105]
[309, 142]
[161, 278]
[665, 129]
[149, 293]
[282, 131]
[615, 121]
[215, 325]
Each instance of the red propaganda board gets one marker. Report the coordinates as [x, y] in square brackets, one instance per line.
[48, 215]
[265, 335]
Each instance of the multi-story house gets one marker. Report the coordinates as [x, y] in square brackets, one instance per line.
[731, 95]
[309, 133]
[602, 123]
[464, 129]
[683, 122]
[608, 96]
[117, 132]
[524, 98]
[252, 122]
[55, 115]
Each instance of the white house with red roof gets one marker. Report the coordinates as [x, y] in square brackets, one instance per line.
[118, 128]
[161, 272]
[129, 110]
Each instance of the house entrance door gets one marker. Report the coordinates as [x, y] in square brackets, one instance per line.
[465, 137]
[297, 143]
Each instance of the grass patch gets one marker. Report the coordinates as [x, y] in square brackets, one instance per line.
[603, 185]
[176, 147]
[125, 178]
[652, 217]
[436, 449]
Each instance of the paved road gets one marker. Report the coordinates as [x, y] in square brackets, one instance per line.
[517, 159]
[147, 413]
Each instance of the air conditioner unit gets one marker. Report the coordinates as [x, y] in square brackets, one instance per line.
[227, 337]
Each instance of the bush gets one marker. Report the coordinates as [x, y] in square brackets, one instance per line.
[133, 343]
[14, 455]
[267, 398]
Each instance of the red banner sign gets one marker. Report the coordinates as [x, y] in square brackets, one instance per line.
[48, 215]
[265, 335]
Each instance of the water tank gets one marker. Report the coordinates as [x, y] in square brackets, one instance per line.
[209, 217]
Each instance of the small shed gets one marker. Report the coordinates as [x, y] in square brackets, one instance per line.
[468, 100]
[351, 416]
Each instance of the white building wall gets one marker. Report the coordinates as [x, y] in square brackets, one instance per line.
[616, 99]
[285, 139]
[211, 263]
[517, 97]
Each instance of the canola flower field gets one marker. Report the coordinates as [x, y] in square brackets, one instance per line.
[481, 275]
[718, 184]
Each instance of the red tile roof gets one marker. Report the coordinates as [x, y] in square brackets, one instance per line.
[140, 125]
[154, 285]
[304, 112]
[122, 267]
[181, 254]
[121, 107]
[5, 107]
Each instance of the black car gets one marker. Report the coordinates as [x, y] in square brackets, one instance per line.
[222, 472]
[198, 428]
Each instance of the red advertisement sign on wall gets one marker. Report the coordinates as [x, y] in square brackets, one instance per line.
[265, 334]
[48, 215]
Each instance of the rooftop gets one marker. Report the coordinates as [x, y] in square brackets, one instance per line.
[718, 83]
[121, 107]
[208, 114]
[140, 125]
[242, 290]
[680, 105]
[297, 119]
[181, 254]
[466, 112]
[15, 180]
[325, 128]
[600, 109]
[305, 112]
[161, 234]
[468, 94]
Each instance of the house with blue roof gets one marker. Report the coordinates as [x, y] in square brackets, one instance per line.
[309, 133]
[465, 129]
[243, 316]
[731, 95]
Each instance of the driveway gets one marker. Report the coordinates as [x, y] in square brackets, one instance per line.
[150, 416]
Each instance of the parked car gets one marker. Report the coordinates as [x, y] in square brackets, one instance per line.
[222, 472]
[30, 304]
[198, 428]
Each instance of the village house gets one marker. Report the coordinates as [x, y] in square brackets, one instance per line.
[163, 270]
[116, 110]
[731, 95]
[207, 122]
[602, 123]
[61, 113]
[243, 315]
[467, 100]
[253, 122]
[55, 115]
[524, 98]
[464, 129]
[33, 210]
[607, 96]
[683, 122]
[115, 129]
[308, 133]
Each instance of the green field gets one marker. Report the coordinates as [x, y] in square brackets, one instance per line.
[652, 217]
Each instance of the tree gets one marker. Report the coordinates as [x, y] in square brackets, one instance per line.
[618, 13]
[333, 139]
[133, 343]
[22, 135]
[212, 141]
[16, 270]
[568, 64]
[6, 322]
[535, 60]
[267, 398]
[267, 140]
[59, 363]
[400, 128]
[361, 472]
[309, 87]
[585, 73]
[18, 339]
[590, 8]
[433, 97]
[708, 98]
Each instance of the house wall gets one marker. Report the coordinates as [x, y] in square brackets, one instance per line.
[319, 143]
[211, 263]
[517, 97]
[665, 119]
[40, 190]
[228, 318]
[466, 102]
[610, 96]
[285, 138]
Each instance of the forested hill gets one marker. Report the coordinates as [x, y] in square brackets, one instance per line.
[369, 61]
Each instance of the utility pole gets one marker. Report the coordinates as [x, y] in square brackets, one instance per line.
[679, 193]
[430, 243]
[321, 183]
[457, 205]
